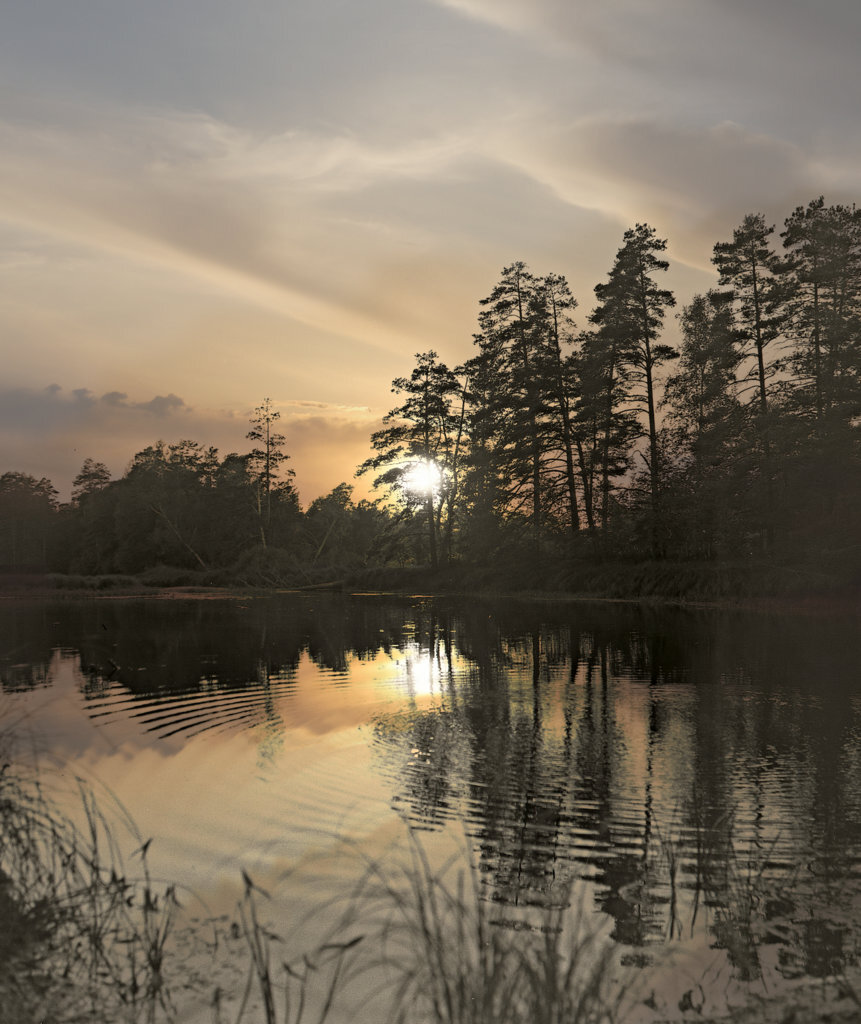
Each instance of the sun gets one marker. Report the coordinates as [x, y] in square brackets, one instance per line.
[422, 478]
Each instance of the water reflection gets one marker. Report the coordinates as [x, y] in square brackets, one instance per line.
[701, 769]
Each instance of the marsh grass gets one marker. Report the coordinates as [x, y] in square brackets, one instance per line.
[283, 986]
[85, 939]
[446, 955]
[90, 937]
[89, 933]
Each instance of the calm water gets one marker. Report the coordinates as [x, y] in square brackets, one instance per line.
[700, 770]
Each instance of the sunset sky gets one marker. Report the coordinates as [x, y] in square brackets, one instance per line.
[203, 203]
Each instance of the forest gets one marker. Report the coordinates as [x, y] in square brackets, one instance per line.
[556, 453]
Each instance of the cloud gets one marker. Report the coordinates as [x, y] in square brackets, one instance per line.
[163, 405]
[39, 412]
[117, 398]
[689, 182]
[307, 194]
[234, 210]
[781, 66]
[330, 407]
[685, 30]
[50, 431]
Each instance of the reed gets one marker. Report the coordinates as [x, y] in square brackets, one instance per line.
[87, 930]
[89, 937]
[448, 958]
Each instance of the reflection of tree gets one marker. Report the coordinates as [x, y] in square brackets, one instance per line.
[658, 754]
[271, 729]
[26, 646]
[674, 843]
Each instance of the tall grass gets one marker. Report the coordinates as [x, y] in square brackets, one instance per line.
[84, 939]
[88, 937]
[446, 957]
[283, 989]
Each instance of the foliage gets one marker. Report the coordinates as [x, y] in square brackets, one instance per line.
[27, 507]
[83, 940]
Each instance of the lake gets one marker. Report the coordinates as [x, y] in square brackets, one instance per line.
[691, 777]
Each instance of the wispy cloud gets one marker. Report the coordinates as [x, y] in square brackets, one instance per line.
[237, 210]
[307, 194]
[690, 181]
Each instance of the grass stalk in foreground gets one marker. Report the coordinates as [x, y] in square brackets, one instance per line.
[83, 940]
[449, 960]
[87, 940]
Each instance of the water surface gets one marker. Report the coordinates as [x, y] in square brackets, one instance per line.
[700, 770]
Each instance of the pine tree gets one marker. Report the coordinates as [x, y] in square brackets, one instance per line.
[509, 344]
[266, 460]
[750, 269]
[630, 317]
[553, 307]
[824, 273]
[418, 448]
[705, 421]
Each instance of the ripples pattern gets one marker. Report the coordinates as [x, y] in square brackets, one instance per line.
[699, 771]
[195, 711]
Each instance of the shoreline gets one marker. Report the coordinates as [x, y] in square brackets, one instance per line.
[816, 604]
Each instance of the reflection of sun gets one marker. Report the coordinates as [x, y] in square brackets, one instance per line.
[422, 477]
[419, 672]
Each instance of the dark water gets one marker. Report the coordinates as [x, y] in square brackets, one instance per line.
[702, 770]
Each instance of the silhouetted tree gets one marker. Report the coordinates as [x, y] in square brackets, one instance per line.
[343, 534]
[705, 421]
[701, 394]
[93, 476]
[418, 449]
[750, 268]
[824, 321]
[752, 271]
[512, 350]
[632, 308]
[161, 508]
[553, 307]
[266, 460]
[28, 508]
[604, 420]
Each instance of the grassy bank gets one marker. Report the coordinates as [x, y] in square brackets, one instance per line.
[724, 583]
[719, 583]
[90, 937]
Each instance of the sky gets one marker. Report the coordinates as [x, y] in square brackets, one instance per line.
[203, 203]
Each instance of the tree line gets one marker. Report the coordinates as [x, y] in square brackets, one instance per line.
[606, 440]
[553, 441]
[183, 506]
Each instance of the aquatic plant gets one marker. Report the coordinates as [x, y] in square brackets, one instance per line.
[88, 938]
